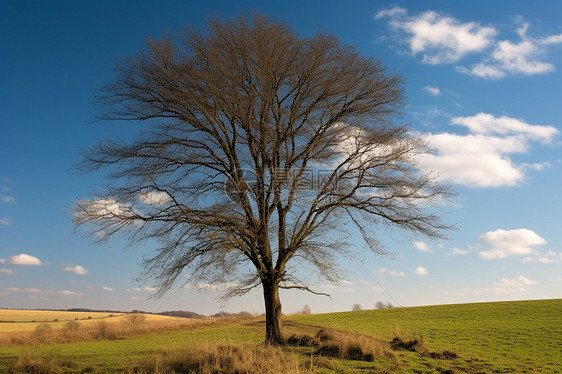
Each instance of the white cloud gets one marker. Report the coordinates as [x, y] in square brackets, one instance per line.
[507, 243]
[481, 158]
[513, 285]
[78, 269]
[433, 91]
[102, 208]
[483, 71]
[69, 293]
[439, 39]
[347, 281]
[7, 271]
[154, 198]
[552, 39]
[522, 57]
[108, 289]
[394, 273]
[550, 257]
[21, 260]
[487, 124]
[443, 39]
[5, 221]
[421, 271]
[458, 252]
[423, 247]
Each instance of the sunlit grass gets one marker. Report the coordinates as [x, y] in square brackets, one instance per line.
[510, 337]
[520, 336]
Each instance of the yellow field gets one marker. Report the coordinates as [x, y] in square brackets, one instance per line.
[81, 328]
[28, 320]
[14, 315]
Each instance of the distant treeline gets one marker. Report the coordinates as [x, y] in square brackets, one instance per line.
[89, 310]
[235, 315]
[181, 313]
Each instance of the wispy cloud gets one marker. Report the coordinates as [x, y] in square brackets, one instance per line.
[21, 260]
[155, 198]
[394, 273]
[458, 252]
[23, 290]
[521, 57]
[8, 199]
[108, 289]
[481, 158]
[69, 293]
[78, 269]
[221, 287]
[141, 289]
[392, 13]
[516, 287]
[5, 221]
[7, 271]
[37, 292]
[519, 284]
[421, 271]
[433, 91]
[422, 247]
[549, 257]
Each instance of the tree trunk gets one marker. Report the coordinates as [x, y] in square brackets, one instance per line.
[273, 333]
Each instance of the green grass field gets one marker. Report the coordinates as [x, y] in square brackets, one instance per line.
[510, 337]
[505, 337]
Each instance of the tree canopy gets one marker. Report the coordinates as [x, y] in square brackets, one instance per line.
[262, 146]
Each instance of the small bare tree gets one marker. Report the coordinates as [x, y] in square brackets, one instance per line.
[261, 146]
[381, 305]
[356, 308]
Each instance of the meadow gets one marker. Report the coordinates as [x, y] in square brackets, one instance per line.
[504, 337]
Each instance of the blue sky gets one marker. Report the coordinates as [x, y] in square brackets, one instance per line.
[483, 87]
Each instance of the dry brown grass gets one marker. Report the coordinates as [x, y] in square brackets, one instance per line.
[343, 344]
[223, 358]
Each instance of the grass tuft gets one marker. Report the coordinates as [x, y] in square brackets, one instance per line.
[223, 358]
[30, 361]
[342, 344]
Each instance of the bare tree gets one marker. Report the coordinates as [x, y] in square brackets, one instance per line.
[306, 309]
[356, 308]
[381, 305]
[261, 145]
